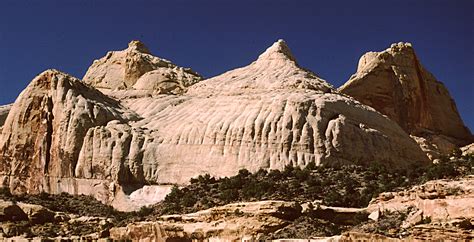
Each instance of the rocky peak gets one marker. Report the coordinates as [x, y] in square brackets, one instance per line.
[122, 70]
[136, 45]
[401, 53]
[395, 83]
[275, 69]
[278, 51]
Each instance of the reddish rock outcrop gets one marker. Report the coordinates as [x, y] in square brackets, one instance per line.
[396, 84]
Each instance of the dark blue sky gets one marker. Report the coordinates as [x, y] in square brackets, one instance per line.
[327, 37]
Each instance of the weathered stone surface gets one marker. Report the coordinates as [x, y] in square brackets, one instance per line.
[396, 84]
[44, 132]
[166, 81]
[441, 200]
[266, 115]
[275, 69]
[149, 194]
[413, 218]
[229, 222]
[135, 67]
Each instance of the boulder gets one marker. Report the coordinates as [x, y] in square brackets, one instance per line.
[11, 212]
[37, 214]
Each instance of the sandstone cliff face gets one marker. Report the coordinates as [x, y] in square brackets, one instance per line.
[136, 68]
[64, 136]
[396, 84]
[43, 134]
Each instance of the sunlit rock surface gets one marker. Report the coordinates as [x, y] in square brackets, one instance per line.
[64, 135]
[395, 83]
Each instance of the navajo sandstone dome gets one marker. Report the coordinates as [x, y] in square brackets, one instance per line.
[136, 121]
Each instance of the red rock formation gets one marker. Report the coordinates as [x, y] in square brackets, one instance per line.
[396, 84]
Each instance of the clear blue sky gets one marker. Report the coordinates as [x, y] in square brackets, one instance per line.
[327, 37]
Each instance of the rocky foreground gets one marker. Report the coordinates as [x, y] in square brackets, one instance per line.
[441, 209]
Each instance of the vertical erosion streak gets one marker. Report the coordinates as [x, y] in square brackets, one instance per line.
[49, 133]
[423, 114]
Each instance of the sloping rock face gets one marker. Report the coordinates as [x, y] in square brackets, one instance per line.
[64, 136]
[275, 69]
[266, 115]
[136, 68]
[396, 84]
[43, 135]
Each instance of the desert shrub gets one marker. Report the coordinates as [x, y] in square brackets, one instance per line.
[338, 185]
[5, 192]
[144, 211]
[307, 227]
[388, 224]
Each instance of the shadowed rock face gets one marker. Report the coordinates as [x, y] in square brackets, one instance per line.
[396, 84]
[4, 110]
[62, 135]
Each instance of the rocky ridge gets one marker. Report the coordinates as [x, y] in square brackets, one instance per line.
[127, 125]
